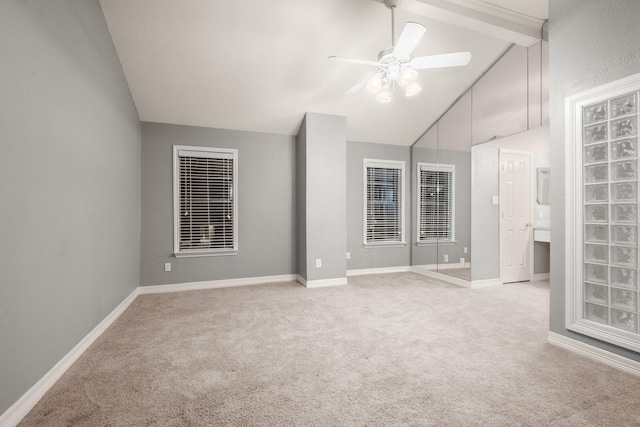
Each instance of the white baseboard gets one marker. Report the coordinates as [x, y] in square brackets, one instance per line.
[539, 276]
[441, 277]
[443, 266]
[214, 284]
[21, 408]
[594, 353]
[476, 284]
[383, 270]
[322, 283]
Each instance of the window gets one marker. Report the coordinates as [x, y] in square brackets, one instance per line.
[436, 189]
[384, 202]
[205, 201]
[602, 211]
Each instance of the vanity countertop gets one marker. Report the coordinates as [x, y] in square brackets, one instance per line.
[541, 234]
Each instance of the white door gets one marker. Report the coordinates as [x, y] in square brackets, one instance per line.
[515, 217]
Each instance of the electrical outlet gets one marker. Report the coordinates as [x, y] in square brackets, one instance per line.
[348, 255]
[465, 249]
[318, 263]
[446, 258]
[167, 266]
[462, 262]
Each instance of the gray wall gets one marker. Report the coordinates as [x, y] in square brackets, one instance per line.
[266, 205]
[485, 216]
[69, 185]
[373, 257]
[325, 195]
[301, 202]
[591, 42]
[434, 254]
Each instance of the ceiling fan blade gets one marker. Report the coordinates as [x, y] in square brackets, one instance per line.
[411, 35]
[437, 61]
[355, 61]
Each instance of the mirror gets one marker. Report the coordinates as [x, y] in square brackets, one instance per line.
[542, 180]
[441, 169]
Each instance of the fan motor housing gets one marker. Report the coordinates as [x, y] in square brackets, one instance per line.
[386, 56]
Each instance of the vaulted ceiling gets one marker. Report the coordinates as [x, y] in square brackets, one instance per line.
[260, 65]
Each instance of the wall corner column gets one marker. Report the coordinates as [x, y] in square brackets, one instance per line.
[322, 200]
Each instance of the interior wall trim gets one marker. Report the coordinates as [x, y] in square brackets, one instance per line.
[21, 408]
[381, 270]
[214, 284]
[323, 283]
[540, 276]
[440, 276]
[442, 266]
[475, 284]
[594, 353]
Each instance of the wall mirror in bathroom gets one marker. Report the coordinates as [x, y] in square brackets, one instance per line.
[542, 179]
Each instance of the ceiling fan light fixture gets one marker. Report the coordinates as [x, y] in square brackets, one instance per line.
[395, 64]
[384, 96]
[408, 76]
[374, 84]
[413, 89]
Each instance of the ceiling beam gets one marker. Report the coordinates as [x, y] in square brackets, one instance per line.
[481, 17]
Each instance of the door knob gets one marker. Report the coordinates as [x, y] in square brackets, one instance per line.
[528, 224]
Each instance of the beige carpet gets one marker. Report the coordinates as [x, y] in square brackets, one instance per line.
[386, 350]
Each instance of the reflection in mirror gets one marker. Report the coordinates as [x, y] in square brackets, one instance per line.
[485, 218]
[441, 162]
[425, 249]
[542, 178]
[486, 227]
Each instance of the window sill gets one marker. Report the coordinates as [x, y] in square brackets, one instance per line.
[437, 242]
[194, 254]
[384, 245]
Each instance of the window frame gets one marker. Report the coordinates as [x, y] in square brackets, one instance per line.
[436, 167]
[203, 152]
[385, 164]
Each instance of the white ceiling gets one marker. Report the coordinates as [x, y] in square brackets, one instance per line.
[260, 65]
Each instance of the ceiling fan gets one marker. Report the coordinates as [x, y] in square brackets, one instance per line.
[395, 65]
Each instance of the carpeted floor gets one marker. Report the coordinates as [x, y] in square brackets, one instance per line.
[385, 350]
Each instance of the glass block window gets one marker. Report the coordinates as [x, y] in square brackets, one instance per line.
[603, 213]
[610, 182]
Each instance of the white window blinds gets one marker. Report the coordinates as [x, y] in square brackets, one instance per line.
[205, 201]
[384, 202]
[435, 202]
